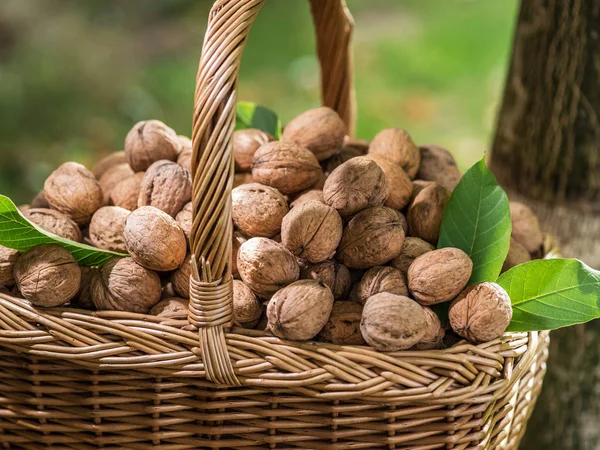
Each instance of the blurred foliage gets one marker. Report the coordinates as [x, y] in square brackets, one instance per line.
[75, 75]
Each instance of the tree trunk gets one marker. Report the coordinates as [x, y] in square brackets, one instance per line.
[547, 153]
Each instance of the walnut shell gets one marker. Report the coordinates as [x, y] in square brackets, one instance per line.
[124, 285]
[525, 227]
[181, 277]
[247, 309]
[185, 155]
[126, 193]
[426, 213]
[285, 166]
[238, 240]
[438, 164]
[439, 275]
[356, 185]
[185, 143]
[173, 308]
[418, 186]
[8, 258]
[266, 266]
[185, 218]
[83, 299]
[343, 326]
[311, 194]
[335, 161]
[154, 239]
[372, 238]
[39, 201]
[332, 274]
[321, 130]
[166, 186]
[111, 160]
[242, 178]
[245, 144]
[73, 190]
[517, 254]
[258, 210]
[396, 145]
[412, 247]
[392, 322]
[107, 227]
[47, 275]
[150, 141]
[400, 185]
[54, 222]
[359, 145]
[312, 231]
[299, 311]
[434, 332]
[113, 177]
[481, 313]
[379, 279]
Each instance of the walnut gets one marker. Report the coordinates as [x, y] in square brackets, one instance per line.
[335, 161]
[438, 164]
[185, 155]
[379, 279]
[166, 186]
[124, 285]
[266, 266]
[112, 177]
[242, 178]
[107, 227]
[312, 230]
[439, 275]
[332, 274]
[247, 309]
[426, 213]
[412, 247]
[245, 144]
[400, 185]
[47, 275]
[434, 332]
[54, 222]
[373, 237]
[125, 194]
[238, 240]
[39, 201]
[299, 311]
[181, 277]
[285, 166]
[321, 130]
[185, 218]
[418, 186]
[396, 145]
[311, 194]
[525, 227]
[356, 185]
[258, 210]
[154, 239]
[73, 190]
[150, 141]
[517, 254]
[8, 258]
[343, 326]
[111, 160]
[83, 299]
[392, 322]
[481, 313]
[359, 145]
[173, 308]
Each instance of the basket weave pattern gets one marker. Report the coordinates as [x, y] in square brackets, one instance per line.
[72, 379]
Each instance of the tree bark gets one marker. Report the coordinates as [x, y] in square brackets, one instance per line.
[547, 153]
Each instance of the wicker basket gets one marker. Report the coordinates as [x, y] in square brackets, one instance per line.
[73, 379]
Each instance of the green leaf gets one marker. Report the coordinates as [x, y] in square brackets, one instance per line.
[18, 233]
[251, 115]
[477, 220]
[551, 293]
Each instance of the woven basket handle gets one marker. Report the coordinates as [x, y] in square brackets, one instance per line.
[211, 284]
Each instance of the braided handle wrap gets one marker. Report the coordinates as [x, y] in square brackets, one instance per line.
[211, 286]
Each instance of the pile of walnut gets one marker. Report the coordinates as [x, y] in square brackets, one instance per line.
[334, 237]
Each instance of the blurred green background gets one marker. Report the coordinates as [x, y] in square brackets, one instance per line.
[75, 75]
